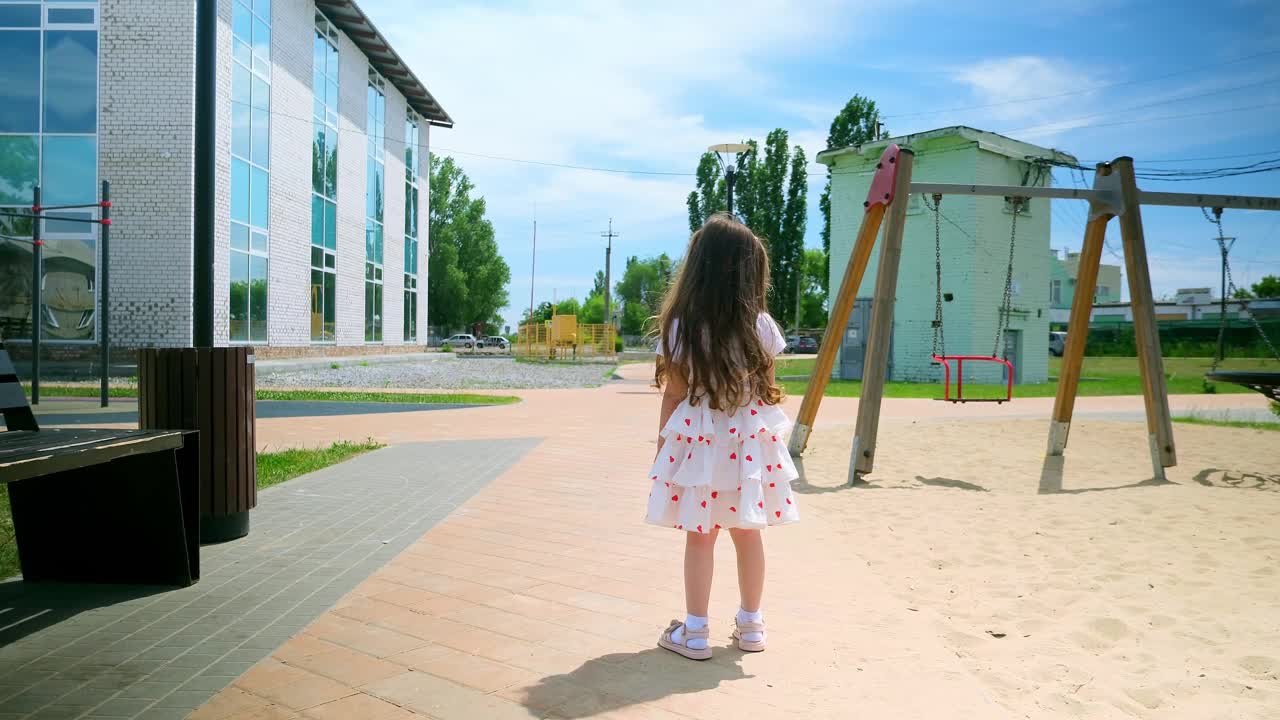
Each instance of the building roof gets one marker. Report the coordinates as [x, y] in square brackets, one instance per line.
[350, 19]
[989, 141]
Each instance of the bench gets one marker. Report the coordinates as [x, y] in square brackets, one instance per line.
[99, 505]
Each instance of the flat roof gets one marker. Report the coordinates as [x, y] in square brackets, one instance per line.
[992, 142]
[350, 19]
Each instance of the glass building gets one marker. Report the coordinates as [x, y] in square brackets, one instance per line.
[305, 254]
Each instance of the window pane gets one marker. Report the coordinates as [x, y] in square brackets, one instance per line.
[70, 16]
[27, 16]
[331, 164]
[317, 159]
[258, 197]
[239, 296]
[240, 85]
[70, 170]
[331, 65]
[318, 52]
[19, 96]
[242, 51]
[368, 239]
[377, 244]
[263, 8]
[258, 241]
[70, 81]
[239, 237]
[261, 138]
[257, 298]
[368, 312]
[261, 40]
[330, 260]
[19, 168]
[380, 177]
[331, 95]
[239, 190]
[317, 221]
[261, 94]
[240, 143]
[370, 173]
[331, 225]
[377, 313]
[317, 304]
[54, 225]
[317, 257]
[330, 304]
[241, 22]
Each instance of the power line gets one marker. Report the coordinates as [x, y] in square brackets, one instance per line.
[1143, 120]
[1086, 90]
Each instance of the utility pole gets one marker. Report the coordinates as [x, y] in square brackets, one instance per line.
[608, 252]
[1224, 245]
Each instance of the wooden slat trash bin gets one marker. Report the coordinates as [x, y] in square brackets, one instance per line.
[210, 390]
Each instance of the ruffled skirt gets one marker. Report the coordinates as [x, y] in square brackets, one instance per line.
[723, 470]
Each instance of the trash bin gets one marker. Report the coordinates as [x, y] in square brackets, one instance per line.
[210, 390]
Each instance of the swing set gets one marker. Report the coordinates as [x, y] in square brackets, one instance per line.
[1115, 194]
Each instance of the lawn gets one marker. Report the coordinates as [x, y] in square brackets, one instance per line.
[1100, 376]
[273, 469]
[91, 391]
[1246, 424]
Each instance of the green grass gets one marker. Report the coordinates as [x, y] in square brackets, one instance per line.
[1247, 424]
[273, 469]
[1100, 376]
[277, 467]
[88, 391]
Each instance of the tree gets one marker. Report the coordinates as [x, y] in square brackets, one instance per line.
[770, 195]
[644, 284]
[592, 309]
[1242, 294]
[813, 298]
[857, 123]
[468, 279]
[569, 306]
[1267, 287]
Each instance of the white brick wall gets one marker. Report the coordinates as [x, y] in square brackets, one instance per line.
[146, 132]
[146, 150]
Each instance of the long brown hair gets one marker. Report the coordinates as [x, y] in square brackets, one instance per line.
[714, 305]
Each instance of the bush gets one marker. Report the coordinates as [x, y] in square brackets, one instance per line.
[446, 348]
[617, 344]
[1275, 409]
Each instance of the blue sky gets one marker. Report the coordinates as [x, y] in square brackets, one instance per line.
[648, 86]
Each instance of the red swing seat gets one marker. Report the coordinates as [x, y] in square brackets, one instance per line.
[959, 360]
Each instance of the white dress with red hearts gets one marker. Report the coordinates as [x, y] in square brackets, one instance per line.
[723, 470]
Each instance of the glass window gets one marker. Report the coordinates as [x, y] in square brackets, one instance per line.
[55, 226]
[257, 298]
[241, 22]
[261, 47]
[239, 190]
[240, 85]
[239, 236]
[240, 129]
[20, 16]
[330, 303]
[261, 137]
[242, 52]
[258, 242]
[317, 220]
[239, 296]
[70, 174]
[263, 8]
[70, 81]
[331, 163]
[19, 89]
[19, 168]
[70, 16]
[258, 189]
[331, 225]
[317, 159]
[261, 93]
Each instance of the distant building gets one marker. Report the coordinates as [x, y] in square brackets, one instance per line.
[1063, 271]
[975, 250]
[1188, 304]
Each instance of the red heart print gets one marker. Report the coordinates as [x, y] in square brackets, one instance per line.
[687, 422]
[733, 456]
[739, 488]
[655, 477]
[679, 437]
[760, 403]
[760, 504]
[671, 458]
[699, 528]
[733, 430]
[788, 501]
[773, 485]
[667, 484]
[714, 495]
[753, 437]
[775, 438]
[690, 457]
[768, 468]
[763, 430]
[717, 526]
[753, 412]
[733, 509]
[704, 503]
[748, 458]
[777, 513]
[690, 440]
[679, 527]
[675, 498]
[699, 438]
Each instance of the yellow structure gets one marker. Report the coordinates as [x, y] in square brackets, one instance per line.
[564, 338]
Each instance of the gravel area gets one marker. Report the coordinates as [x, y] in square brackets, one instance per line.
[445, 374]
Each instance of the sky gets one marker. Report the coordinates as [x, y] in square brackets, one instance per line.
[647, 86]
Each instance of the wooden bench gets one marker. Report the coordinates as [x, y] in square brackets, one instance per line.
[98, 505]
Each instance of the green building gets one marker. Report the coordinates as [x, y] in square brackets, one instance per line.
[975, 236]
[1063, 269]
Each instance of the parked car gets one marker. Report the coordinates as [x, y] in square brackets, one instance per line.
[792, 342]
[461, 340]
[807, 345]
[1057, 343]
[494, 341]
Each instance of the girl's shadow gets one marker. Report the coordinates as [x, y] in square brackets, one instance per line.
[617, 680]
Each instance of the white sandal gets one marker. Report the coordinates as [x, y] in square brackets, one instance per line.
[741, 628]
[682, 647]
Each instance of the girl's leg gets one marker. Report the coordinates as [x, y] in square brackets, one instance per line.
[750, 548]
[699, 563]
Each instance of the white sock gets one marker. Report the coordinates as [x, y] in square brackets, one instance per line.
[746, 617]
[693, 622]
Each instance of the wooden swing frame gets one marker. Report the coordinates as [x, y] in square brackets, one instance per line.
[1115, 194]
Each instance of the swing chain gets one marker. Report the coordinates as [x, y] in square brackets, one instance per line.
[1006, 307]
[939, 336]
[1231, 290]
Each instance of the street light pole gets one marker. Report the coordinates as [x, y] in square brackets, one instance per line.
[608, 252]
[730, 172]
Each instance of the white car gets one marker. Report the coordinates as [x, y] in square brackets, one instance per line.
[494, 341]
[461, 341]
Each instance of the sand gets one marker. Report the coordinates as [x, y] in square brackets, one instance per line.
[1090, 593]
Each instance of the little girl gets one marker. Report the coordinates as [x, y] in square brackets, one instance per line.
[722, 460]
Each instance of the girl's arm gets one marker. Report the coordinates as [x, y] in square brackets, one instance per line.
[674, 392]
